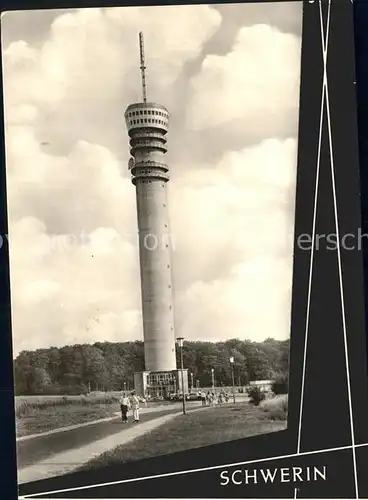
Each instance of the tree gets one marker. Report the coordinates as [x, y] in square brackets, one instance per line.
[71, 365]
[110, 366]
[40, 381]
[94, 371]
[258, 365]
[53, 365]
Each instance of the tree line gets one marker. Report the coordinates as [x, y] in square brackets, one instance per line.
[108, 366]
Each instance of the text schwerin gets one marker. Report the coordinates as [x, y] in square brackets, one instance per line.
[277, 475]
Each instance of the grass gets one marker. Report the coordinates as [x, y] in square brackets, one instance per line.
[26, 404]
[36, 414]
[196, 429]
[276, 408]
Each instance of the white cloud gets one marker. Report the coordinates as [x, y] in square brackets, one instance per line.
[52, 188]
[239, 209]
[232, 259]
[86, 45]
[252, 302]
[72, 290]
[73, 241]
[257, 81]
[236, 234]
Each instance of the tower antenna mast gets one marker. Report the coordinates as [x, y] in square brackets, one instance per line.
[143, 67]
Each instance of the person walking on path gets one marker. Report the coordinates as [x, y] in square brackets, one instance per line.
[134, 403]
[124, 407]
[220, 399]
[203, 398]
[213, 399]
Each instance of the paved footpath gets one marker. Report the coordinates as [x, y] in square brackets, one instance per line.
[69, 460]
[41, 446]
[143, 411]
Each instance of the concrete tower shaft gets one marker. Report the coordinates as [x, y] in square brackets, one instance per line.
[147, 125]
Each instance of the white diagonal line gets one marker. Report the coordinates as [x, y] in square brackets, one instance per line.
[312, 254]
[340, 266]
[193, 471]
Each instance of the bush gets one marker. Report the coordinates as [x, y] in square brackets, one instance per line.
[276, 408]
[256, 395]
[281, 385]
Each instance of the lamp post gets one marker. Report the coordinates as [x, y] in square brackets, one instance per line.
[192, 382]
[180, 341]
[213, 379]
[232, 376]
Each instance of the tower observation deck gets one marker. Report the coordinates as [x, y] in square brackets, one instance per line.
[147, 125]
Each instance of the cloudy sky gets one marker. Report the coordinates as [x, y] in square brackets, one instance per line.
[229, 75]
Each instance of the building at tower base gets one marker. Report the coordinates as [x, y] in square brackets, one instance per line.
[160, 384]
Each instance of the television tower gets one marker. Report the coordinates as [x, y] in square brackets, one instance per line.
[147, 125]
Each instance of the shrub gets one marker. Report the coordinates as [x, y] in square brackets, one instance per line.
[281, 385]
[276, 408]
[256, 395]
